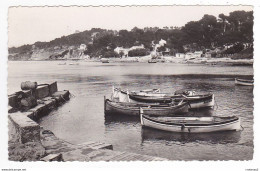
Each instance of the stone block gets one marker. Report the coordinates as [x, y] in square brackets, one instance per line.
[11, 109]
[39, 111]
[26, 130]
[53, 88]
[62, 96]
[12, 100]
[42, 91]
[28, 93]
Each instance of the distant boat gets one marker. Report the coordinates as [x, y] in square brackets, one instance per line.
[104, 60]
[73, 63]
[244, 82]
[62, 63]
[191, 124]
[152, 61]
[128, 108]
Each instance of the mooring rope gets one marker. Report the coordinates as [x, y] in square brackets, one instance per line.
[242, 128]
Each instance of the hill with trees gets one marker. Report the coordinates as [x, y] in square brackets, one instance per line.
[209, 32]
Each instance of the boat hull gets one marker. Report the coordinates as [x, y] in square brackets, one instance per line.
[225, 126]
[150, 99]
[148, 109]
[202, 103]
[194, 101]
[244, 82]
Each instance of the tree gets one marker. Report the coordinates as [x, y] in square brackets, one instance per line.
[223, 20]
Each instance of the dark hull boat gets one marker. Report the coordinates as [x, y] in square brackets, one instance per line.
[191, 124]
[244, 82]
[126, 108]
[152, 61]
[195, 101]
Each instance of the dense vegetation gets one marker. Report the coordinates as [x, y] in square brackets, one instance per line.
[207, 33]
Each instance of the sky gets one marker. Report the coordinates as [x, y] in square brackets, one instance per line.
[27, 25]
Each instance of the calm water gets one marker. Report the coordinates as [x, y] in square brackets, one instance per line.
[82, 118]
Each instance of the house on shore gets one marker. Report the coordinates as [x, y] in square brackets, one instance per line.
[124, 51]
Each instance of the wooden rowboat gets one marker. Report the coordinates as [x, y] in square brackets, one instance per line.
[195, 101]
[191, 124]
[126, 108]
[244, 82]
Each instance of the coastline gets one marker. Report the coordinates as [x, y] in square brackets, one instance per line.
[168, 59]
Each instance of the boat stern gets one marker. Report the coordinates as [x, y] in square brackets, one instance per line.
[238, 126]
[141, 116]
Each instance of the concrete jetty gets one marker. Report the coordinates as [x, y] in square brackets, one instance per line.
[28, 141]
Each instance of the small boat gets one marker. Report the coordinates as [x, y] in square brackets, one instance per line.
[195, 101]
[128, 108]
[62, 63]
[104, 60]
[152, 61]
[191, 124]
[73, 63]
[244, 82]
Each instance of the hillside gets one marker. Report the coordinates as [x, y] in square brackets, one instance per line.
[229, 33]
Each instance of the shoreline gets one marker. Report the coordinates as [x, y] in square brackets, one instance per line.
[211, 61]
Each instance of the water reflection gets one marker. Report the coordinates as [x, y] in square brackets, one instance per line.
[149, 134]
[116, 118]
[110, 120]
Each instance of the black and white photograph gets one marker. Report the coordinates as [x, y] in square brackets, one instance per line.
[130, 83]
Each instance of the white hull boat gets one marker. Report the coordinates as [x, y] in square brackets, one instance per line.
[244, 82]
[191, 124]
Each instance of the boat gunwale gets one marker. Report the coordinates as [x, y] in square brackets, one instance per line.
[169, 98]
[125, 107]
[244, 81]
[236, 119]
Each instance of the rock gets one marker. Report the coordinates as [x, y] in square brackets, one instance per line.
[31, 151]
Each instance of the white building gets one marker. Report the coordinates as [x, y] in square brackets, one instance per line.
[198, 54]
[137, 47]
[126, 50]
[82, 47]
[162, 42]
[122, 50]
[189, 55]
[180, 55]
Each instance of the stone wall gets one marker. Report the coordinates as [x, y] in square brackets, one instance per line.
[23, 129]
